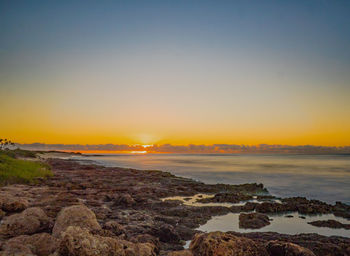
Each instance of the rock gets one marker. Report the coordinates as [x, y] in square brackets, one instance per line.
[41, 244]
[269, 207]
[278, 248]
[138, 249]
[146, 238]
[76, 215]
[17, 250]
[329, 224]
[305, 206]
[222, 244]
[342, 210]
[124, 200]
[115, 227]
[9, 203]
[253, 220]
[77, 241]
[249, 206]
[289, 216]
[181, 253]
[319, 245]
[166, 233]
[2, 214]
[30, 221]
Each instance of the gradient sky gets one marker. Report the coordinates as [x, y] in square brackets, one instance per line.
[203, 72]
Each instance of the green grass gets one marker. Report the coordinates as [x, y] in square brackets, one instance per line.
[14, 170]
[17, 153]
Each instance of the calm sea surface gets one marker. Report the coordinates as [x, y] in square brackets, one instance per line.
[323, 177]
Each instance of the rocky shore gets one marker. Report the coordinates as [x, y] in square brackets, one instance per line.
[86, 209]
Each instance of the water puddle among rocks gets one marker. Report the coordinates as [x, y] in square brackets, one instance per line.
[280, 223]
[294, 224]
[192, 200]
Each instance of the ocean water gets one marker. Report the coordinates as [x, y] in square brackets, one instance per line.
[323, 177]
[279, 223]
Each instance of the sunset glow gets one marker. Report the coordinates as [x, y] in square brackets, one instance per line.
[175, 73]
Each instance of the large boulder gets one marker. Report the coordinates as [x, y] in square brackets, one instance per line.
[9, 203]
[77, 241]
[278, 248]
[76, 215]
[41, 244]
[253, 220]
[223, 244]
[30, 221]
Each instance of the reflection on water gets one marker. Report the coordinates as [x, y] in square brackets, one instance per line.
[192, 200]
[280, 224]
[323, 177]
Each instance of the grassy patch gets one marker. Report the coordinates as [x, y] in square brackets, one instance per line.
[17, 153]
[21, 171]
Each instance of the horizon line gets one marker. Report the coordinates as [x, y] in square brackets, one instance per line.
[190, 148]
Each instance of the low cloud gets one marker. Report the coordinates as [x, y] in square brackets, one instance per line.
[196, 149]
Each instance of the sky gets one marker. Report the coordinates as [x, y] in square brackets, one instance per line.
[175, 72]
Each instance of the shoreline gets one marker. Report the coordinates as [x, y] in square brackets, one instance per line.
[132, 200]
[320, 178]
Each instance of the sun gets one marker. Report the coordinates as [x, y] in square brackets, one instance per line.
[138, 152]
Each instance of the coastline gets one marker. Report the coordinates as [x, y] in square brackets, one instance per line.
[128, 206]
[323, 178]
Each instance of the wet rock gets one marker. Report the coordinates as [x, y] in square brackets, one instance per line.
[9, 203]
[236, 209]
[329, 224]
[342, 210]
[278, 248]
[30, 221]
[249, 206]
[305, 206]
[78, 241]
[221, 244]
[76, 215]
[253, 220]
[269, 207]
[41, 244]
[265, 197]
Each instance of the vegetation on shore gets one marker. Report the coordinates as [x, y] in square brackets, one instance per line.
[15, 170]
